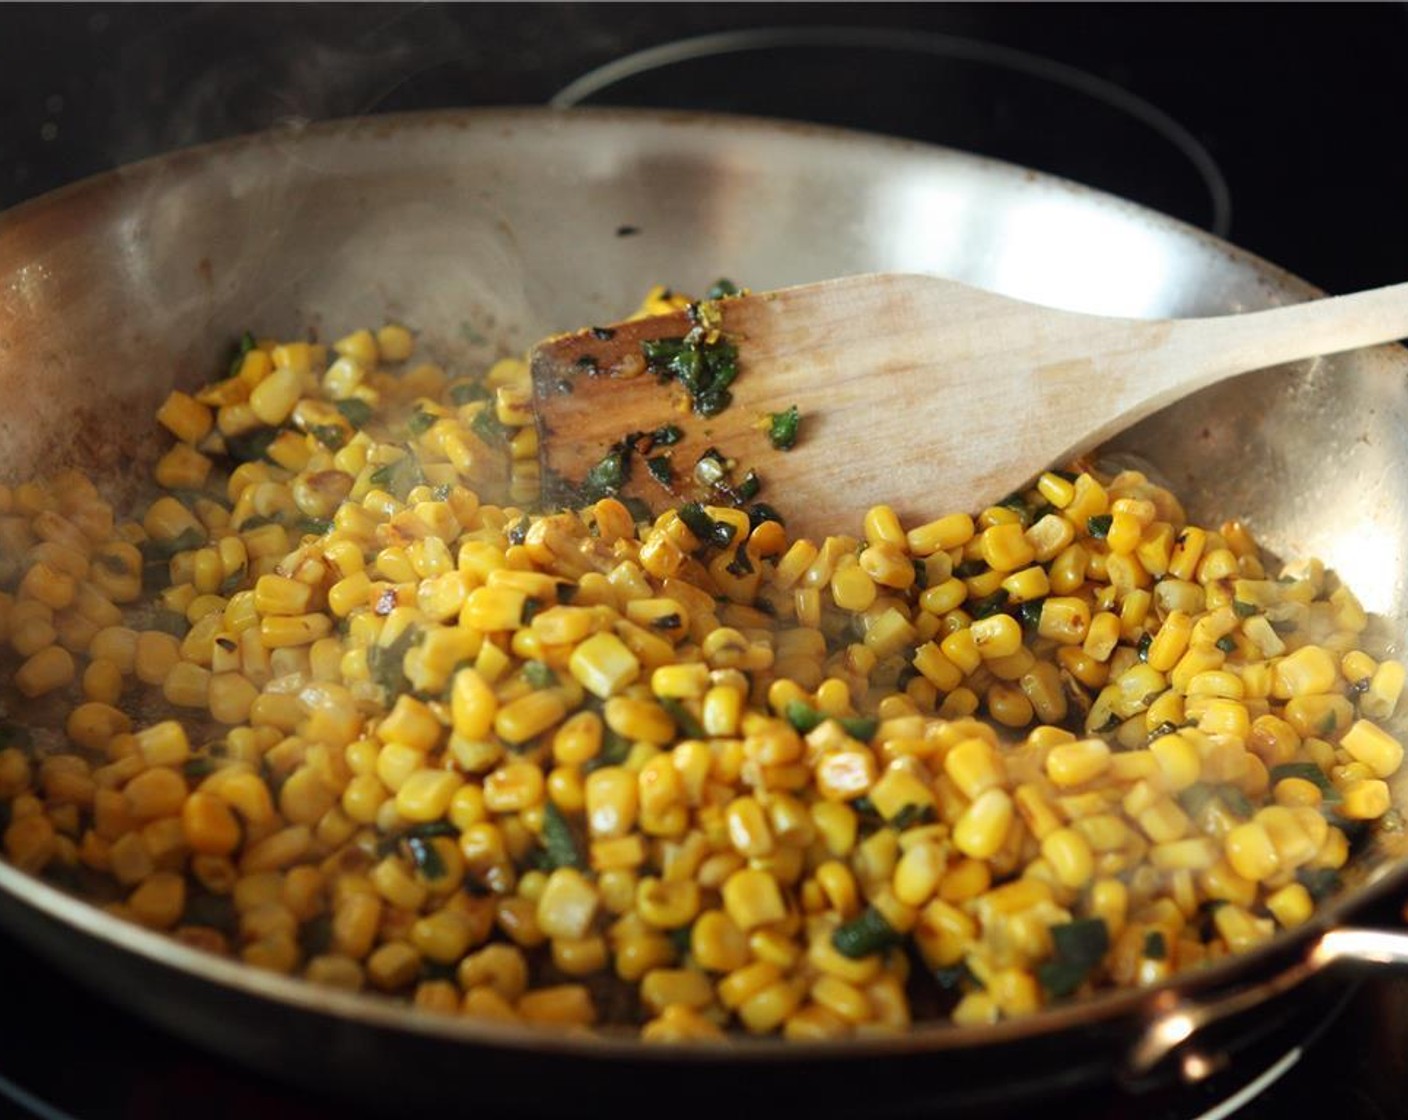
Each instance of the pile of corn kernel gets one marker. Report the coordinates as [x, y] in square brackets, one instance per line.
[566, 768]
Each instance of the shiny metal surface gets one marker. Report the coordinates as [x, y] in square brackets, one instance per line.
[486, 230]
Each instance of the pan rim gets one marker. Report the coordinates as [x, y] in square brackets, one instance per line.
[381, 1012]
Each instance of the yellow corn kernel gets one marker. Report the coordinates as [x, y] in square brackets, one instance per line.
[1365, 799]
[1074, 764]
[946, 533]
[1374, 747]
[752, 898]
[604, 665]
[982, 829]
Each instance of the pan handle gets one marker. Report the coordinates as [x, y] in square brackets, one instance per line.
[1177, 1019]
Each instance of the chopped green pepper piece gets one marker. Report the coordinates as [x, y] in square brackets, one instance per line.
[721, 288]
[539, 674]
[862, 728]
[1227, 643]
[1155, 949]
[421, 422]
[1243, 610]
[1099, 525]
[705, 527]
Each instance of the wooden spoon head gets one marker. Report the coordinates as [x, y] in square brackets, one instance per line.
[598, 400]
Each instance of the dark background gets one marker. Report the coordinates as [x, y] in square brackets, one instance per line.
[1300, 105]
[1296, 109]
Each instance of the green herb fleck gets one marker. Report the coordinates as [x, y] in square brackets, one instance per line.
[803, 717]
[421, 422]
[862, 728]
[464, 393]
[660, 469]
[1227, 643]
[1142, 647]
[1155, 948]
[246, 447]
[1099, 525]
[1030, 613]
[609, 474]
[782, 428]
[990, 604]
[1244, 610]
[425, 858]
[531, 606]
[355, 412]
[912, 814]
[869, 933]
[1310, 772]
[760, 512]
[539, 674]
[1321, 882]
[684, 719]
[615, 749]
[1235, 800]
[705, 527]
[318, 526]
[722, 288]
[1080, 946]
[666, 436]
[559, 841]
[386, 663]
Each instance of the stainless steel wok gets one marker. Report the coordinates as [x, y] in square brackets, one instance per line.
[486, 230]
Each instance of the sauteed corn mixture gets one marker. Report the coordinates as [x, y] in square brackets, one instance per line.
[337, 706]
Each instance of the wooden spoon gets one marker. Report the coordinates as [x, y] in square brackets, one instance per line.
[922, 394]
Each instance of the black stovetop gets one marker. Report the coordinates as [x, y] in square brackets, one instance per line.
[1274, 126]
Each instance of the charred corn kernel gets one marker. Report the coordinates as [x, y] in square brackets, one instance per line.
[1374, 747]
